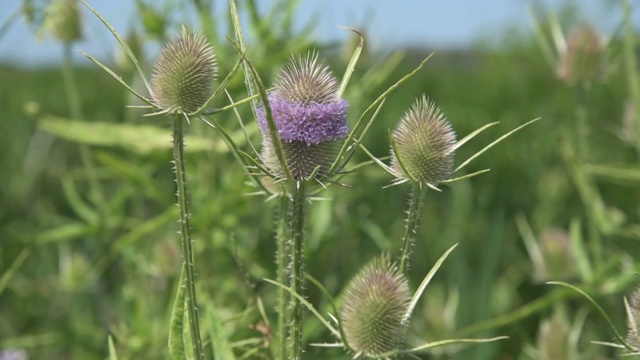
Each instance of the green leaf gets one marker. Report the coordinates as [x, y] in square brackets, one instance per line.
[599, 309]
[176, 329]
[493, 143]
[620, 173]
[13, 269]
[425, 282]
[352, 63]
[307, 304]
[112, 349]
[141, 139]
[219, 338]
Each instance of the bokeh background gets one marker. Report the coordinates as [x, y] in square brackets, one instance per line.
[88, 244]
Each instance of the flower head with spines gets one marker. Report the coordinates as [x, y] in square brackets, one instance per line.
[310, 116]
[374, 310]
[425, 144]
[183, 75]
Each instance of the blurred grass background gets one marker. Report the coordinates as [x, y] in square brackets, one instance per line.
[87, 222]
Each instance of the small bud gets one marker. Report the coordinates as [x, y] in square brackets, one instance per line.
[583, 57]
[375, 303]
[425, 144]
[183, 76]
[62, 19]
[310, 116]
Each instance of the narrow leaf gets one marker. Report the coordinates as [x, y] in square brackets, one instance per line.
[352, 63]
[425, 282]
[13, 269]
[599, 309]
[493, 144]
[112, 349]
[123, 43]
[176, 341]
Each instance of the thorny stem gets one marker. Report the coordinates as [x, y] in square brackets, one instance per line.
[296, 268]
[185, 234]
[281, 258]
[413, 217]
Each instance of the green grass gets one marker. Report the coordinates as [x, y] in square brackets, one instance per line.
[101, 256]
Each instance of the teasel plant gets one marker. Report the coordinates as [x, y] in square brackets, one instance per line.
[423, 145]
[182, 89]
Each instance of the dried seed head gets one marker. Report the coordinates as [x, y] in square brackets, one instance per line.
[583, 58]
[375, 303]
[425, 143]
[183, 76]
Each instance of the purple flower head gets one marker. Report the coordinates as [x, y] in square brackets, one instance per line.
[305, 104]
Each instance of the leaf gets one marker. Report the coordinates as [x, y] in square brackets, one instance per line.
[493, 143]
[307, 304]
[176, 340]
[352, 62]
[622, 173]
[599, 309]
[112, 349]
[219, 338]
[13, 269]
[425, 282]
[141, 139]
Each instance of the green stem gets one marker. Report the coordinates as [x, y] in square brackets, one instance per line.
[185, 234]
[296, 267]
[413, 217]
[75, 110]
[281, 258]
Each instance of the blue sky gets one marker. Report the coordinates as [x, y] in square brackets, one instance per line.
[429, 23]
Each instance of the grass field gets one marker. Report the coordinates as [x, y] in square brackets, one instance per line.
[88, 243]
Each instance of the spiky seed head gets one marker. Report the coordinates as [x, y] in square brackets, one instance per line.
[310, 116]
[583, 57]
[426, 144]
[183, 75]
[375, 304]
[302, 158]
[305, 104]
[633, 319]
[306, 80]
[62, 19]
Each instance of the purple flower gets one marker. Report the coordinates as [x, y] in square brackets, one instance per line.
[305, 104]
[310, 116]
[312, 123]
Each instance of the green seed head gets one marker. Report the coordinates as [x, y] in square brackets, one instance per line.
[183, 76]
[302, 158]
[425, 143]
[375, 304]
